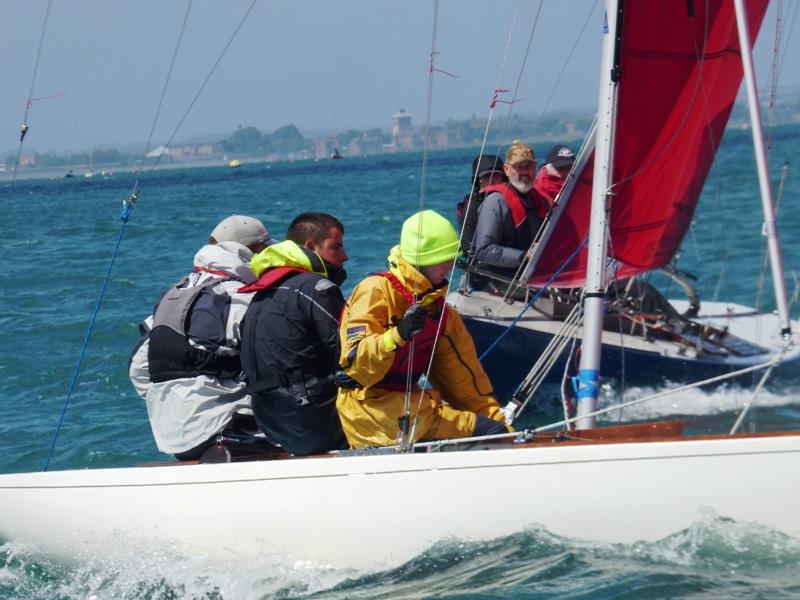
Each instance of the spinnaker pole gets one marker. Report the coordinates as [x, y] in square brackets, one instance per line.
[594, 298]
[773, 244]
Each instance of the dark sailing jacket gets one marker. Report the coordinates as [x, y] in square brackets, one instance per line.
[290, 349]
[507, 224]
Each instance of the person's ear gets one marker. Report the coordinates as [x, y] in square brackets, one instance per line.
[310, 245]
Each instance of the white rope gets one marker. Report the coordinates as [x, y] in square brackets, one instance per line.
[752, 400]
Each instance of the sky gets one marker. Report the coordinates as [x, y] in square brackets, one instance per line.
[321, 65]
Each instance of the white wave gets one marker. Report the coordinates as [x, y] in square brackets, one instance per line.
[122, 567]
[694, 401]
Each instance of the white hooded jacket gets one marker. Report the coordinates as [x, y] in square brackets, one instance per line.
[188, 411]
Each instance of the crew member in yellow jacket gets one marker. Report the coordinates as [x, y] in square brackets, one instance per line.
[394, 323]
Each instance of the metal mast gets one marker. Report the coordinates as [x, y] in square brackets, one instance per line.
[773, 244]
[594, 298]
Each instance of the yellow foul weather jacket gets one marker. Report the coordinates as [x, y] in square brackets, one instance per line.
[369, 340]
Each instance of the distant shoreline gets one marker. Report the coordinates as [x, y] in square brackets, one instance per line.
[54, 173]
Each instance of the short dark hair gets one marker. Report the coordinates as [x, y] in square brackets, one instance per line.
[313, 226]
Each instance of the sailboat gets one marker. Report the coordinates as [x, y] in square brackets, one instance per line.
[667, 136]
[384, 506]
[90, 173]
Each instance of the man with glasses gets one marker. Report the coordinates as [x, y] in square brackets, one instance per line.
[510, 216]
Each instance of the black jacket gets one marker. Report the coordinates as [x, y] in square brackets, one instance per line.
[290, 348]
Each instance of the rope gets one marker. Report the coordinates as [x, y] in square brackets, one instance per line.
[488, 124]
[532, 300]
[28, 103]
[569, 58]
[164, 89]
[683, 388]
[566, 422]
[544, 364]
[206, 80]
[788, 38]
[128, 206]
[753, 399]
[407, 435]
[126, 211]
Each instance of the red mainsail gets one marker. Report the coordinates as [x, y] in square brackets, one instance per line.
[680, 74]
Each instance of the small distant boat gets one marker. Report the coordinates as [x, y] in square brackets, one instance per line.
[336, 155]
[69, 174]
[234, 164]
[89, 173]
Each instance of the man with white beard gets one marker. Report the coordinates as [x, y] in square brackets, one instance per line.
[510, 217]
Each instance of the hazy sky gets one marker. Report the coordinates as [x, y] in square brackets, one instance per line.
[319, 64]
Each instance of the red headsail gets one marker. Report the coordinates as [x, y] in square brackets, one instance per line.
[680, 74]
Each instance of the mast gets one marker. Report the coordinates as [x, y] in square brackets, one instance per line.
[594, 298]
[773, 244]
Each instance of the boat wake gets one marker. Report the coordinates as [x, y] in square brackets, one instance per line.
[714, 555]
[697, 401]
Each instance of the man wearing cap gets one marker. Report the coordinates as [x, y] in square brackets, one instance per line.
[186, 365]
[511, 215]
[245, 230]
[396, 324]
[487, 169]
[290, 335]
[554, 171]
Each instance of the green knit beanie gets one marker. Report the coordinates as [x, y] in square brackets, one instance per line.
[427, 238]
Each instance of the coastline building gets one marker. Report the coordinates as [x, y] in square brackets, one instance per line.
[403, 134]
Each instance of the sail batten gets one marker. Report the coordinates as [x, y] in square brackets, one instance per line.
[679, 79]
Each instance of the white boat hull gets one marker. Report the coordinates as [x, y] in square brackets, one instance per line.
[377, 511]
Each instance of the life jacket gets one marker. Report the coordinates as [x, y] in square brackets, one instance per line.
[519, 213]
[170, 355]
[423, 344]
[258, 381]
[270, 279]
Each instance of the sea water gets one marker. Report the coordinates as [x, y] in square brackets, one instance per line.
[59, 236]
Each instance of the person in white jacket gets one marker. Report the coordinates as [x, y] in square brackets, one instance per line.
[186, 365]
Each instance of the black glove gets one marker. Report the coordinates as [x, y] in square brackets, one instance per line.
[412, 322]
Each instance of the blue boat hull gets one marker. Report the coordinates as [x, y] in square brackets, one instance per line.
[511, 359]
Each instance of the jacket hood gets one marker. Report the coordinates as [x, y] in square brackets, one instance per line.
[288, 254]
[414, 281]
[231, 258]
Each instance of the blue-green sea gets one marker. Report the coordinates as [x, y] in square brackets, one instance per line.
[58, 237]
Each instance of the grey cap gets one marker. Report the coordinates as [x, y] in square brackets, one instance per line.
[243, 229]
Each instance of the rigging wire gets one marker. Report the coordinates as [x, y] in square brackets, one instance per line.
[788, 38]
[774, 75]
[28, 104]
[451, 275]
[492, 106]
[602, 411]
[164, 90]
[128, 205]
[207, 79]
[569, 57]
[533, 300]
[407, 430]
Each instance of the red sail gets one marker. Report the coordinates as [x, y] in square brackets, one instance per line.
[679, 78]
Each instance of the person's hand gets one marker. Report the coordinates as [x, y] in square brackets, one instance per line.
[412, 322]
